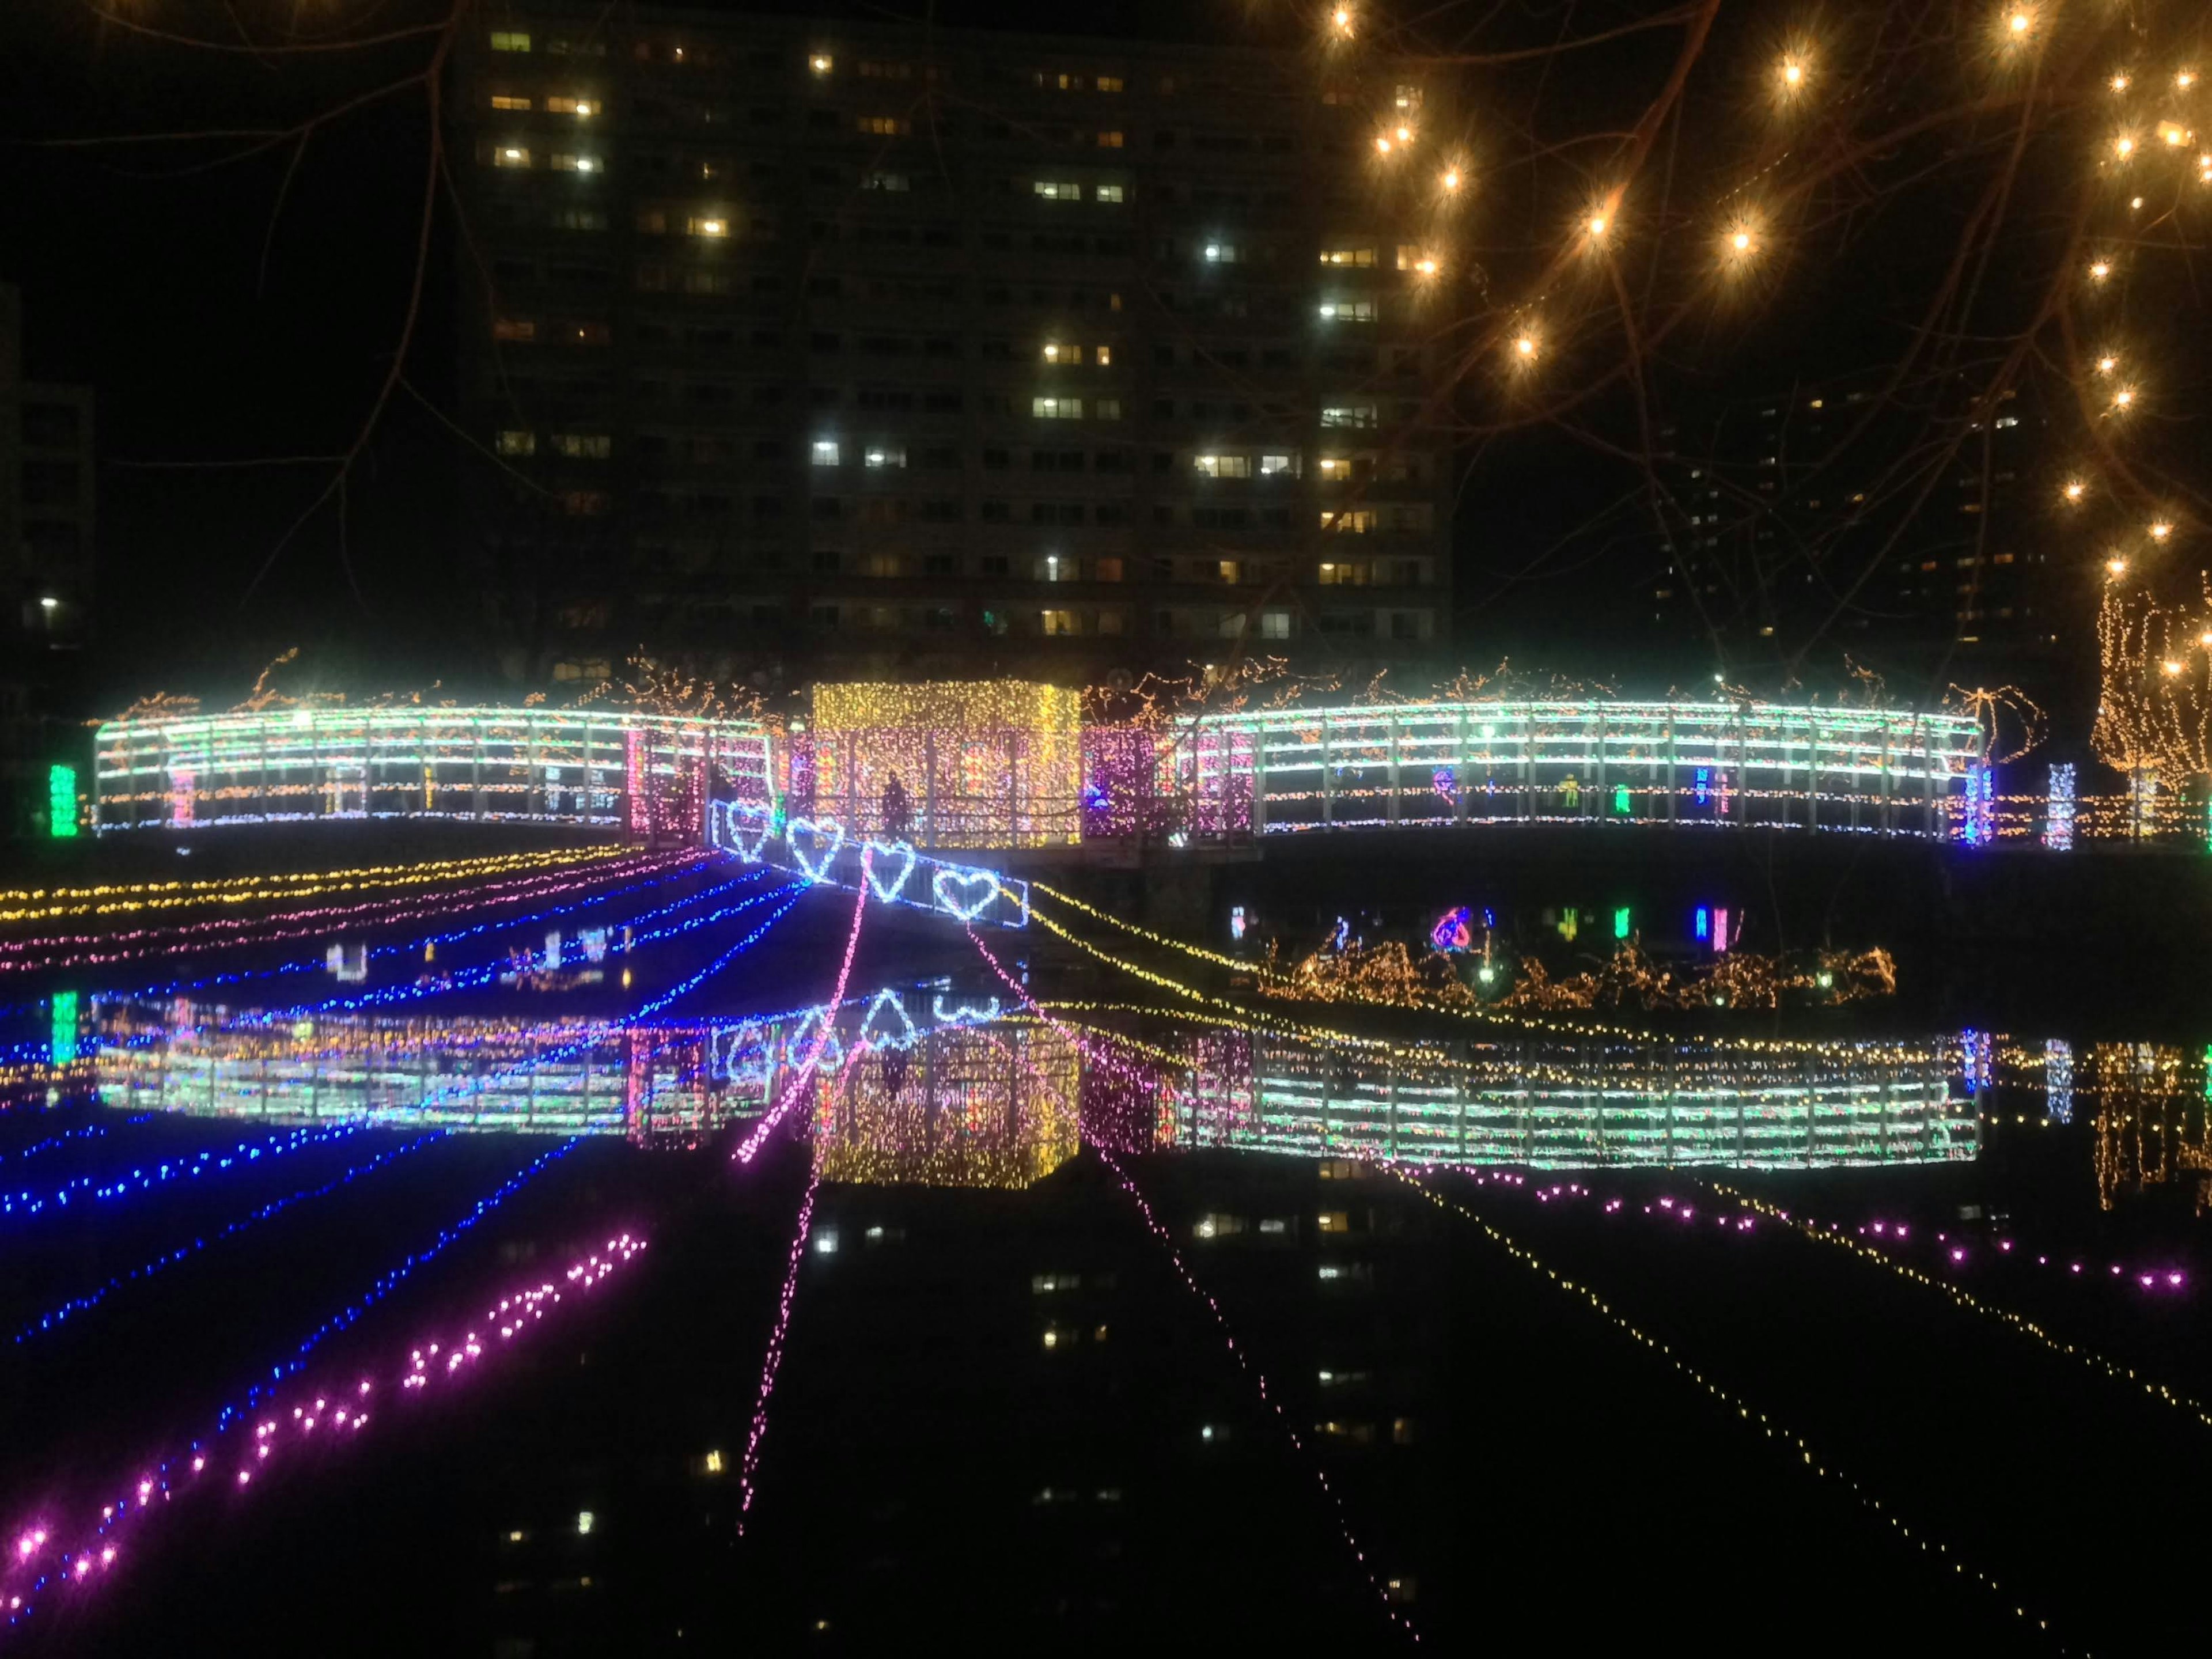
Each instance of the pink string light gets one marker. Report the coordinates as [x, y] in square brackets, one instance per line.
[1258, 1377]
[325, 1412]
[751, 1146]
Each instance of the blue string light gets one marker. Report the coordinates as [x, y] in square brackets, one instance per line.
[85, 1303]
[30, 1202]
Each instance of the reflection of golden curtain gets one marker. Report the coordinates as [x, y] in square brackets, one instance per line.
[958, 1108]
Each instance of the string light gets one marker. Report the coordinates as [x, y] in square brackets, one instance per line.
[1740, 1407]
[1833, 1236]
[142, 1178]
[54, 1318]
[333, 1410]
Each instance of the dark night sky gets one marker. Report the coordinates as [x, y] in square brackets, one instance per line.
[141, 277]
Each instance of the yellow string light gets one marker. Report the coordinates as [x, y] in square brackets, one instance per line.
[253, 890]
[1773, 1429]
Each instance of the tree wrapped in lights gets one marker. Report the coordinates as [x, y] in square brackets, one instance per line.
[2154, 704]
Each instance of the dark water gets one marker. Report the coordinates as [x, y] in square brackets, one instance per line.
[1134, 1320]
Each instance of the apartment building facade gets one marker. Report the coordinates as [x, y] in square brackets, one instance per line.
[806, 348]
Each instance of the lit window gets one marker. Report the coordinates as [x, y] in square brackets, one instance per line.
[1057, 567]
[705, 225]
[1272, 465]
[1109, 83]
[1275, 625]
[826, 1242]
[825, 452]
[510, 155]
[1347, 256]
[1107, 193]
[1057, 189]
[1335, 469]
[510, 40]
[513, 328]
[1333, 1221]
[518, 443]
[1339, 574]
[1060, 353]
[1221, 253]
[1227, 570]
[1110, 141]
[1414, 257]
[1059, 622]
[1106, 356]
[880, 455]
[1357, 521]
[579, 106]
[1223, 466]
[1106, 570]
[883, 181]
[712, 1463]
[1347, 311]
[883, 126]
[583, 446]
[1348, 414]
[1407, 98]
[822, 63]
[500, 100]
[575, 163]
[1057, 409]
[594, 334]
[1107, 408]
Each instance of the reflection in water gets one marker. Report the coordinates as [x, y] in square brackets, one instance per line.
[941, 1100]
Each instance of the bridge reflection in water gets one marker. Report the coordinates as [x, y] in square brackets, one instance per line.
[915, 1086]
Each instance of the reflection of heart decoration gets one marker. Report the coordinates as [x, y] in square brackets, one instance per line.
[884, 851]
[796, 1045]
[950, 882]
[734, 818]
[884, 1034]
[965, 1014]
[815, 868]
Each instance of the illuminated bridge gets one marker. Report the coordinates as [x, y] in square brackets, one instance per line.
[1586, 761]
[1009, 770]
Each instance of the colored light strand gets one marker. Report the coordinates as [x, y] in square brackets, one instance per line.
[1833, 1235]
[748, 1148]
[98, 1188]
[772, 1363]
[1258, 1380]
[392, 1278]
[1773, 1429]
[253, 890]
[335, 1410]
[658, 872]
[54, 1318]
[230, 932]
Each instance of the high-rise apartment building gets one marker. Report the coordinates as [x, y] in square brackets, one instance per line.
[884, 349]
[46, 568]
[1824, 505]
[45, 499]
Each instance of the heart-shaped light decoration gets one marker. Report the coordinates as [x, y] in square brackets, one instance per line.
[742, 826]
[965, 894]
[966, 1014]
[741, 1054]
[881, 855]
[826, 839]
[887, 1029]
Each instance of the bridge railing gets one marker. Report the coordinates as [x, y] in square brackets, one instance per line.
[1892, 772]
[618, 769]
